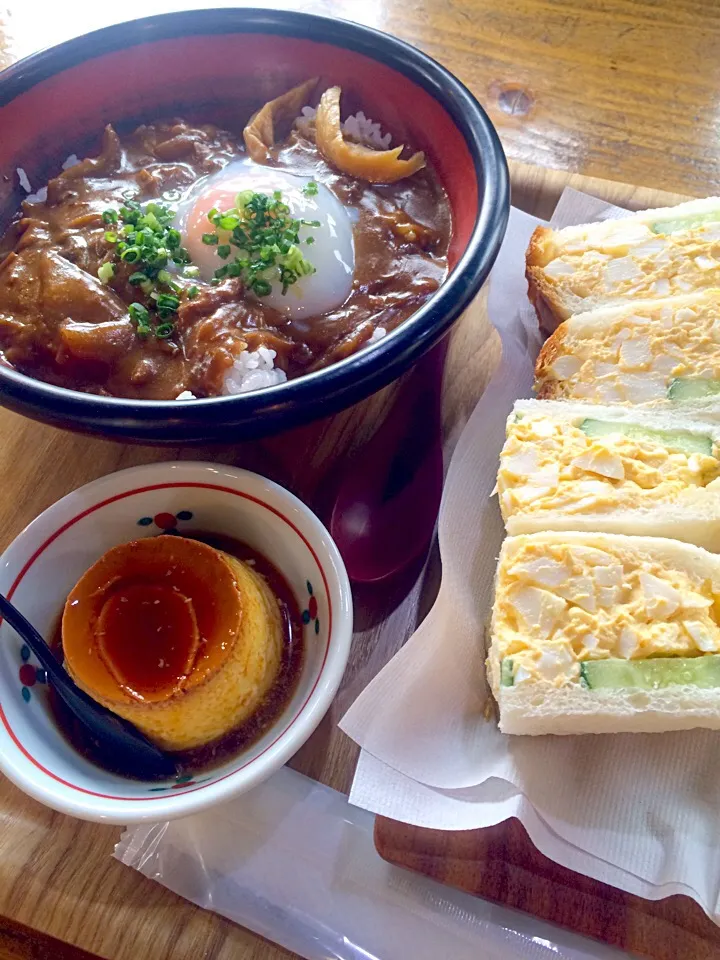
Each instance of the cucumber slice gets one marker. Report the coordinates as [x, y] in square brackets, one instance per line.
[506, 672]
[692, 388]
[684, 223]
[703, 672]
[681, 440]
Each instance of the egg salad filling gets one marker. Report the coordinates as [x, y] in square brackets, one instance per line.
[559, 606]
[640, 260]
[637, 358]
[549, 465]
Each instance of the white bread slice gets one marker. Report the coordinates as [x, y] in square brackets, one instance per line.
[632, 354]
[692, 515]
[653, 253]
[536, 707]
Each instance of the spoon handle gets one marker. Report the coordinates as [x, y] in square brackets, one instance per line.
[29, 634]
[73, 696]
[130, 748]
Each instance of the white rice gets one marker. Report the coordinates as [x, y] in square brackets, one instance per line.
[24, 182]
[357, 127]
[41, 195]
[253, 370]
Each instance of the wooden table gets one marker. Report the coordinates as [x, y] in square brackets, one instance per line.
[622, 89]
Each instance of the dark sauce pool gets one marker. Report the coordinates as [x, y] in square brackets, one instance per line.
[214, 754]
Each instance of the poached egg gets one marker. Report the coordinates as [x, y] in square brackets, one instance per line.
[330, 251]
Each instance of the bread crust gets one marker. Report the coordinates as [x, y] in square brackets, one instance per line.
[546, 386]
[548, 306]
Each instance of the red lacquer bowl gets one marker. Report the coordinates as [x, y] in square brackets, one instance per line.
[219, 66]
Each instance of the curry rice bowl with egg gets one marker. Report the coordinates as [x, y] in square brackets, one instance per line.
[184, 263]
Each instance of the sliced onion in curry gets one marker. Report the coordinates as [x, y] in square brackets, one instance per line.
[364, 163]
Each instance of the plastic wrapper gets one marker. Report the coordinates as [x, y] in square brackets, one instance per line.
[295, 863]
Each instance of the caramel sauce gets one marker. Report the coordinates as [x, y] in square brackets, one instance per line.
[148, 638]
[139, 618]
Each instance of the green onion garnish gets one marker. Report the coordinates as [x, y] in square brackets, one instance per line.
[141, 318]
[145, 237]
[192, 292]
[106, 271]
[266, 238]
[310, 189]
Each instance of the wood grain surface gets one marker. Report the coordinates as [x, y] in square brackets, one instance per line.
[620, 89]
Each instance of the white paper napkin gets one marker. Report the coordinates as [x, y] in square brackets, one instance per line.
[636, 811]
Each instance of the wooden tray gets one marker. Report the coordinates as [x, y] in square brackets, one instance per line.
[500, 863]
[57, 878]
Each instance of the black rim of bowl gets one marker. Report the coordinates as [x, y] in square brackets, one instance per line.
[346, 381]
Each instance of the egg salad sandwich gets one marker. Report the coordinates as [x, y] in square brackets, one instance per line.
[652, 254]
[605, 633]
[656, 353]
[612, 469]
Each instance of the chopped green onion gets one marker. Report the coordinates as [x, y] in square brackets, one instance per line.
[145, 236]
[106, 271]
[261, 287]
[168, 300]
[267, 240]
[310, 189]
[192, 271]
[150, 220]
[141, 318]
[192, 292]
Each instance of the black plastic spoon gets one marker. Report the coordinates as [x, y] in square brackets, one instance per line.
[130, 750]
